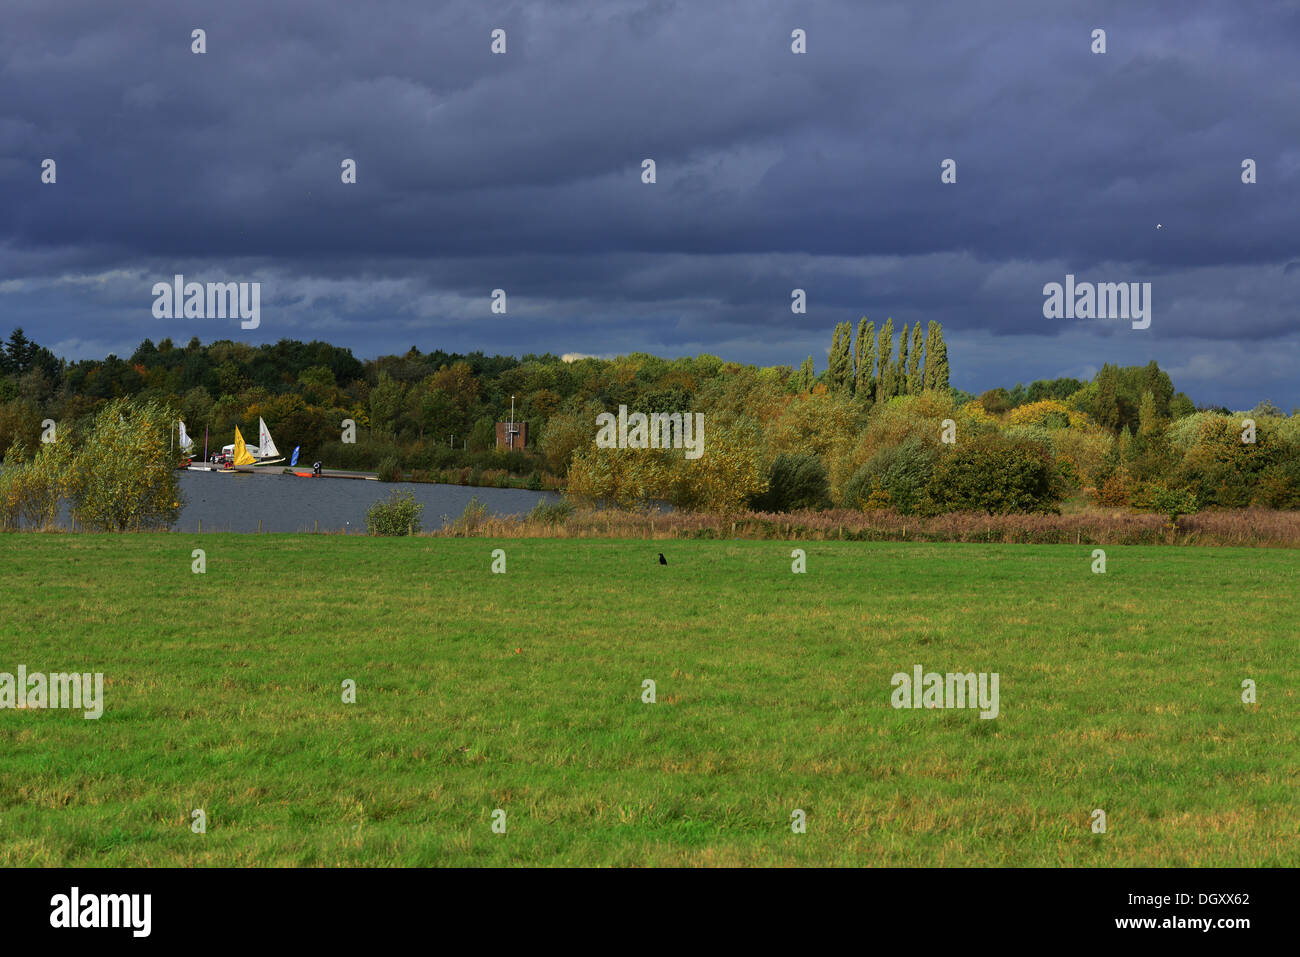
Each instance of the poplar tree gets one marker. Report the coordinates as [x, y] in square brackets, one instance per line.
[865, 356]
[831, 356]
[927, 370]
[914, 384]
[885, 345]
[936, 360]
[807, 372]
[840, 365]
[900, 370]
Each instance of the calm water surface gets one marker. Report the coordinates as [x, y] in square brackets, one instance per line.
[283, 503]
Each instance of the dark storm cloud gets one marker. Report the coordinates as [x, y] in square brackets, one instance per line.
[522, 172]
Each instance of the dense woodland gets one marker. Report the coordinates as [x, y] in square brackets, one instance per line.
[878, 428]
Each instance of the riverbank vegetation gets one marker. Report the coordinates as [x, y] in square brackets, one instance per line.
[116, 471]
[879, 431]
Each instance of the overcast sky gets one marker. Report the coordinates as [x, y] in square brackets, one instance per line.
[775, 170]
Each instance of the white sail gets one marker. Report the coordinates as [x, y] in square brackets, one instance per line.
[264, 441]
[186, 443]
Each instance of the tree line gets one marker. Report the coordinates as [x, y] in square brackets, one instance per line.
[866, 431]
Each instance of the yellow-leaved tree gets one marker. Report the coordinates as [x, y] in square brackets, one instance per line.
[123, 475]
[46, 479]
[622, 477]
[727, 474]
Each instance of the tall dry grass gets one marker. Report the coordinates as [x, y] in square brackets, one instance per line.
[1096, 526]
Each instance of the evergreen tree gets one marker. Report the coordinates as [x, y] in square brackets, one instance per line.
[914, 384]
[885, 346]
[865, 356]
[19, 352]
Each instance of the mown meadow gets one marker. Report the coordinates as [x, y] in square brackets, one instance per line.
[523, 692]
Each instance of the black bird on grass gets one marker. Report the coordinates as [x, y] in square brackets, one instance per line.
[662, 560]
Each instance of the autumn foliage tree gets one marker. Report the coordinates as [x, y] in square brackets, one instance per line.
[124, 473]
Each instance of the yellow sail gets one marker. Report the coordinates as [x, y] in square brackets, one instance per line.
[241, 450]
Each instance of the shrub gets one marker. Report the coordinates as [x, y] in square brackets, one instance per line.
[1069, 473]
[399, 514]
[1221, 469]
[996, 401]
[1116, 490]
[1049, 413]
[794, 482]
[995, 475]
[1038, 434]
[894, 422]
[45, 481]
[475, 514]
[900, 472]
[625, 478]
[1057, 420]
[390, 470]
[878, 499]
[551, 513]
[1083, 450]
[534, 482]
[1160, 498]
[726, 477]
[11, 494]
[1279, 485]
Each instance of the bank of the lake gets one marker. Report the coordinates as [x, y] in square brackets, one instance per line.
[243, 502]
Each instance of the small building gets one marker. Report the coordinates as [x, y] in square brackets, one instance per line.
[512, 435]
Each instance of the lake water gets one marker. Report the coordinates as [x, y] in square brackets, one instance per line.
[283, 503]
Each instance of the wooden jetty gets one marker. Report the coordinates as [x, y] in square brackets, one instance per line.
[300, 471]
[332, 473]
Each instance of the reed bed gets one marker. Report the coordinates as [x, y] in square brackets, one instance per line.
[1244, 527]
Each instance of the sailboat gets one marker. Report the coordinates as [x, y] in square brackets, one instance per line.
[238, 453]
[270, 454]
[264, 454]
[186, 445]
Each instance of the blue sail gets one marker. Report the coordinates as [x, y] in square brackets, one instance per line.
[294, 461]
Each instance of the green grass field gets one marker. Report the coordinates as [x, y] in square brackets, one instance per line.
[522, 691]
